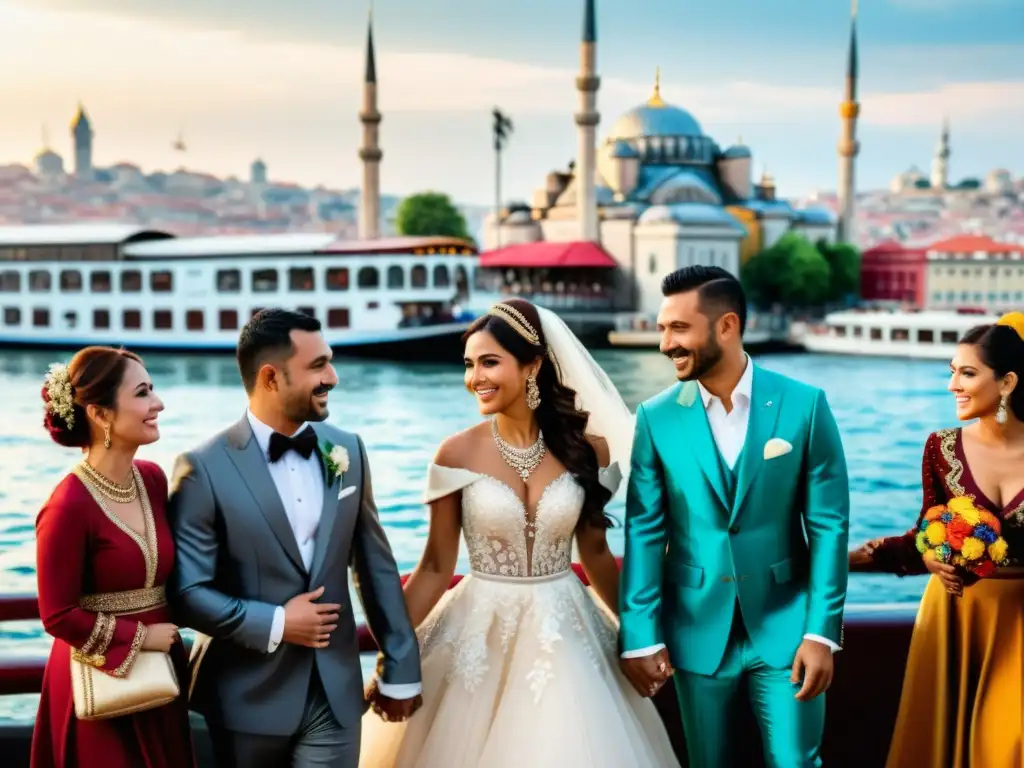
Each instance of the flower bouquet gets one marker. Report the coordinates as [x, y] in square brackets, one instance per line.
[960, 534]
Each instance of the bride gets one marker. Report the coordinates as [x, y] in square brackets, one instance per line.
[519, 661]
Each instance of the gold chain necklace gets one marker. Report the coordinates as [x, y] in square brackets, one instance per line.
[119, 494]
[522, 460]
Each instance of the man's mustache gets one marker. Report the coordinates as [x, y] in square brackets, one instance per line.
[677, 352]
[323, 389]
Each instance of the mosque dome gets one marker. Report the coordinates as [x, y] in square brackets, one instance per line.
[738, 151]
[49, 163]
[656, 118]
[649, 120]
[658, 134]
[519, 217]
[623, 150]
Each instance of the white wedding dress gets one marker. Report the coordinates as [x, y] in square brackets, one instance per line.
[520, 665]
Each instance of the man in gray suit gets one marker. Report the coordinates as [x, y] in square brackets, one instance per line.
[267, 517]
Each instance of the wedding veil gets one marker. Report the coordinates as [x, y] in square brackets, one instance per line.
[610, 418]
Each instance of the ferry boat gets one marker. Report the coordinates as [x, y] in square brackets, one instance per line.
[926, 335]
[639, 331]
[859, 720]
[77, 284]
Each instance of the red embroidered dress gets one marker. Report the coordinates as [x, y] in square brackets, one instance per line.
[100, 583]
[945, 475]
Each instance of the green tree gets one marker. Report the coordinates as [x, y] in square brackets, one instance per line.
[430, 213]
[844, 270]
[792, 272]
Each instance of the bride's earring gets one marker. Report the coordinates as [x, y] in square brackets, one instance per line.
[106, 436]
[1001, 411]
[532, 393]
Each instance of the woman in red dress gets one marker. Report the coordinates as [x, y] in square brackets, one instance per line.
[962, 703]
[103, 554]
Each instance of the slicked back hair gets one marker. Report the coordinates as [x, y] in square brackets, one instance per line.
[717, 289]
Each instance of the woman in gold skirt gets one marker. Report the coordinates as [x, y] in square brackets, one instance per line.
[962, 704]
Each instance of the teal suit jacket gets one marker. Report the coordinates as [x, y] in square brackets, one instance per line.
[780, 548]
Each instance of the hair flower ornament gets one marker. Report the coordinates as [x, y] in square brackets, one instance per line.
[60, 397]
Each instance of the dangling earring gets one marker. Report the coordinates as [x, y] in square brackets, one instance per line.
[106, 436]
[532, 393]
[1001, 413]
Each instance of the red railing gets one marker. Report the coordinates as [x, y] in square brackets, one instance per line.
[860, 715]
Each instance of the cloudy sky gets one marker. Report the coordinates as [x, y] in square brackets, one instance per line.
[281, 80]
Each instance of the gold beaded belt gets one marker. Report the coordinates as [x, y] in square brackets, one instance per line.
[123, 603]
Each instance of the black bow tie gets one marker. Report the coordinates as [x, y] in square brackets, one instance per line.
[303, 444]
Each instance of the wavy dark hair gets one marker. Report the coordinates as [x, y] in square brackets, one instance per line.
[1001, 348]
[563, 424]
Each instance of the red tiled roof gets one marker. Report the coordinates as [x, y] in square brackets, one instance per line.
[539, 255]
[969, 244]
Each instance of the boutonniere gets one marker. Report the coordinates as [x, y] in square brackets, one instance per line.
[335, 460]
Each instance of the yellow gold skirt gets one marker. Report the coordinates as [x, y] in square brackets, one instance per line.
[962, 704]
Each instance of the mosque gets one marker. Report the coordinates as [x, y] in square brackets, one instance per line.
[658, 193]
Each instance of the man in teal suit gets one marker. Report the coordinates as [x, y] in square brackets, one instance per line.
[737, 522]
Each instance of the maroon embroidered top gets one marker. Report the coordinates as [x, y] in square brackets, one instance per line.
[945, 475]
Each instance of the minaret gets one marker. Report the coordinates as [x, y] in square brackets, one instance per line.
[848, 144]
[586, 122]
[81, 134]
[940, 163]
[370, 153]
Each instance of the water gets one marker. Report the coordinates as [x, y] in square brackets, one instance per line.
[885, 409]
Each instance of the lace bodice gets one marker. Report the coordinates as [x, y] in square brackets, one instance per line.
[501, 537]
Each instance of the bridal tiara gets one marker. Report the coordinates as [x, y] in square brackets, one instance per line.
[517, 320]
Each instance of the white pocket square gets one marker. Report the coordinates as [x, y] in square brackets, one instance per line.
[344, 492]
[776, 447]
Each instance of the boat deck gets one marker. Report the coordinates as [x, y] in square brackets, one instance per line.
[861, 710]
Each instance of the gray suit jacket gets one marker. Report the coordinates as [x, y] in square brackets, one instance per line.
[237, 560]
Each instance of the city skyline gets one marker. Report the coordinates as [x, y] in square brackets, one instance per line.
[286, 86]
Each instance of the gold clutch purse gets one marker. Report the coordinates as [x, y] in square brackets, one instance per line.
[150, 683]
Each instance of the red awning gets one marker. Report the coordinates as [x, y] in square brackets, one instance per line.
[547, 255]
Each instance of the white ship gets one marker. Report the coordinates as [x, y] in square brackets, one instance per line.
[927, 335]
[77, 284]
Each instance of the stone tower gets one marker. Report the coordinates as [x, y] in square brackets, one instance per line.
[940, 163]
[370, 153]
[848, 144]
[82, 135]
[586, 122]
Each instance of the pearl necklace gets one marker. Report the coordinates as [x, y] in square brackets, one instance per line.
[119, 494]
[523, 460]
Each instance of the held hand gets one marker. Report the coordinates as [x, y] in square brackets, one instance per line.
[952, 582]
[648, 674]
[392, 710]
[812, 665]
[160, 637]
[863, 558]
[308, 623]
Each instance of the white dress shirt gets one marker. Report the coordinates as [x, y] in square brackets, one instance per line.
[300, 484]
[729, 428]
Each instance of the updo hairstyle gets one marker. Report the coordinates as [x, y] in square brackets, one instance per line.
[93, 377]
